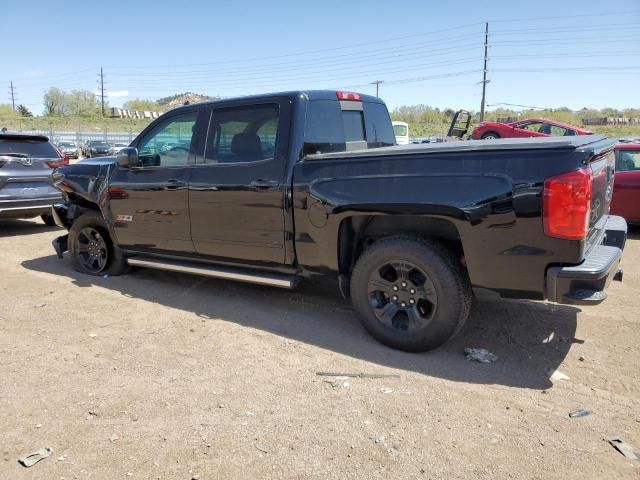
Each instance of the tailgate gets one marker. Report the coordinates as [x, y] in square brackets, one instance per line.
[602, 166]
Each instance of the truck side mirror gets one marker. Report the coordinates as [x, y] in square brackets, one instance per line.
[128, 157]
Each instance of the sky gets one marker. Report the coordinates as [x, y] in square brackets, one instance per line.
[542, 54]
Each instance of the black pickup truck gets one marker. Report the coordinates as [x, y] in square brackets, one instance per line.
[276, 188]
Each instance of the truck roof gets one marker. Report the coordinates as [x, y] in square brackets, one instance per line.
[303, 94]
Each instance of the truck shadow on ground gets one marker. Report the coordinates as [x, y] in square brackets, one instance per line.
[13, 228]
[531, 338]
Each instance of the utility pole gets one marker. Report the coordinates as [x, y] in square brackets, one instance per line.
[102, 90]
[377, 84]
[484, 74]
[13, 96]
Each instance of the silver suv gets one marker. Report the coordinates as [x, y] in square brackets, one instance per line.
[26, 165]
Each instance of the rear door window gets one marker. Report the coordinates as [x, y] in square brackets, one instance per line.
[242, 134]
[30, 147]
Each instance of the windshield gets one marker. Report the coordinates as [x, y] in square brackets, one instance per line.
[30, 147]
[99, 144]
[400, 130]
[67, 144]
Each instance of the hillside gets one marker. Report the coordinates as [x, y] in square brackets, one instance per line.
[181, 98]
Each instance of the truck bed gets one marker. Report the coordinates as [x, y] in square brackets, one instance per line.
[569, 143]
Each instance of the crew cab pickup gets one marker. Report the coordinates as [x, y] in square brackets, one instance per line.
[292, 186]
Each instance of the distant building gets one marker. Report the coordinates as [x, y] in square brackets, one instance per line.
[124, 113]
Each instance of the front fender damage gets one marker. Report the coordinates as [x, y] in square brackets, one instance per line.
[85, 187]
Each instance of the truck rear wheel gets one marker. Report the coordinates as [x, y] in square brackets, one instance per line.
[410, 294]
[91, 249]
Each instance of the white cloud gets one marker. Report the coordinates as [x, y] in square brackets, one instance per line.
[32, 74]
[118, 93]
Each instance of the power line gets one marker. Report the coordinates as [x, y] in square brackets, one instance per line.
[311, 52]
[566, 17]
[377, 84]
[101, 82]
[484, 70]
[13, 97]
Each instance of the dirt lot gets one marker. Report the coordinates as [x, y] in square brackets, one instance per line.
[157, 375]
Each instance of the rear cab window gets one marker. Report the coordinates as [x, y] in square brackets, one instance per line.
[32, 147]
[338, 126]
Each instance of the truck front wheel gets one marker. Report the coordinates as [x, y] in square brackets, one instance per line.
[91, 248]
[410, 293]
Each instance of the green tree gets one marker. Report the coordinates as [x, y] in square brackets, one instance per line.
[24, 111]
[6, 111]
[141, 104]
[82, 102]
[55, 102]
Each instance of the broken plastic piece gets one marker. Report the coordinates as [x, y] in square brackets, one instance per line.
[624, 448]
[31, 459]
[481, 355]
[579, 413]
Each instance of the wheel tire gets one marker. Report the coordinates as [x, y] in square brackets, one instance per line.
[48, 220]
[113, 263]
[490, 136]
[445, 279]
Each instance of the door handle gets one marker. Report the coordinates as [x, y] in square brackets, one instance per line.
[174, 184]
[264, 184]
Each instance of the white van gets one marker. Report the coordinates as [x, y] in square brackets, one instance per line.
[401, 131]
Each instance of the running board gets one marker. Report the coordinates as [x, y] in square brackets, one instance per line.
[274, 280]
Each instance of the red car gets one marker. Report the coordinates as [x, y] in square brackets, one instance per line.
[530, 127]
[626, 187]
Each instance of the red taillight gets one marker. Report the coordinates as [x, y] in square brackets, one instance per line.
[116, 193]
[566, 205]
[58, 163]
[356, 97]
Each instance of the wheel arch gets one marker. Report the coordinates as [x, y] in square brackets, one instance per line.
[358, 232]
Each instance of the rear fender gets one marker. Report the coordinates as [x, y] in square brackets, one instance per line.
[461, 201]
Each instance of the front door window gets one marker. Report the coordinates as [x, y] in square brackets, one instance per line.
[168, 145]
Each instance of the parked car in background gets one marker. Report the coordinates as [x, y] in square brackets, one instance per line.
[96, 148]
[401, 131]
[626, 189]
[70, 149]
[26, 164]
[530, 127]
[116, 147]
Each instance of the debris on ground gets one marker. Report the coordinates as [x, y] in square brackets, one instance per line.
[624, 448]
[579, 413]
[338, 382]
[32, 458]
[357, 375]
[113, 437]
[263, 450]
[386, 390]
[557, 375]
[481, 355]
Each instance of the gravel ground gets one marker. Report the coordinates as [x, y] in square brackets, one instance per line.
[158, 375]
